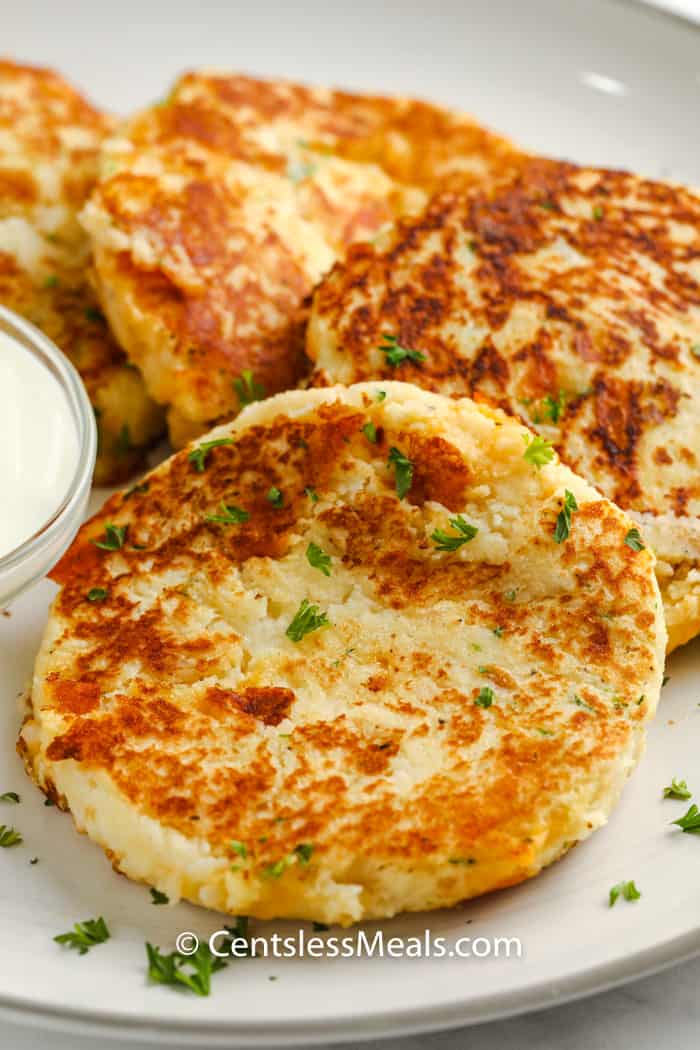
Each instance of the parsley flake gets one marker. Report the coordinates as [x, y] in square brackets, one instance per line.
[633, 540]
[677, 789]
[554, 408]
[403, 471]
[198, 456]
[159, 898]
[240, 848]
[485, 697]
[689, 822]
[465, 532]
[97, 594]
[307, 619]
[193, 972]
[370, 432]
[598, 213]
[397, 354]
[318, 559]
[627, 890]
[311, 493]
[228, 515]
[9, 836]
[93, 314]
[563, 525]
[247, 390]
[85, 935]
[275, 497]
[10, 796]
[115, 535]
[381, 394]
[539, 451]
[304, 852]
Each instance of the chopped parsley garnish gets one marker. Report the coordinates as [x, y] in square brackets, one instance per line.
[582, 703]
[465, 532]
[397, 354]
[318, 559]
[498, 631]
[229, 515]
[51, 281]
[123, 442]
[381, 394]
[370, 432]
[677, 789]
[598, 213]
[547, 204]
[93, 314]
[9, 836]
[9, 796]
[689, 822]
[191, 971]
[85, 935]
[276, 870]
[403, 471]
[554, 407]
[539, 451]
[115, 535]
[563, 525]
[97, 594]
[627, 890]
[633, 540]
[275, 497]
[311, 493]
[307, 619]
[300, 855]
[159, 898]
[199, 455]
[247, 390]
[142, 486]
[461, 860]
[240, 848]
[485, 697]
[304, 852]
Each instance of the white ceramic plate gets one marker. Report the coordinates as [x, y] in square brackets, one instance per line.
[599, 81]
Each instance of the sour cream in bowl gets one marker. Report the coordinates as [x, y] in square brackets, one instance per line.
[48, 443]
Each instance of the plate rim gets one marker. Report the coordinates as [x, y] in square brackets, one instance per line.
[389, 1023]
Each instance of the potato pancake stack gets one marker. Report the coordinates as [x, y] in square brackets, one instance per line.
[221, 207]
[49, 144]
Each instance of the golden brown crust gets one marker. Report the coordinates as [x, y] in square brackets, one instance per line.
[49, 145]
[365, 739]
[569, 297]
[221, 208]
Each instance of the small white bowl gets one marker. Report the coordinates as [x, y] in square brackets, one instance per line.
[39, 552]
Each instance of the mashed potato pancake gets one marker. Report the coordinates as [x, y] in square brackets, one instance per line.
[361, 651]
[571, 298]
[222, 206]
[49, 143]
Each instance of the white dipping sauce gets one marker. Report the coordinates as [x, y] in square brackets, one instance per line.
[38, 444]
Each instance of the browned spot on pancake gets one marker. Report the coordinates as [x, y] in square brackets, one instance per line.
[268, 704]
[74, 697]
